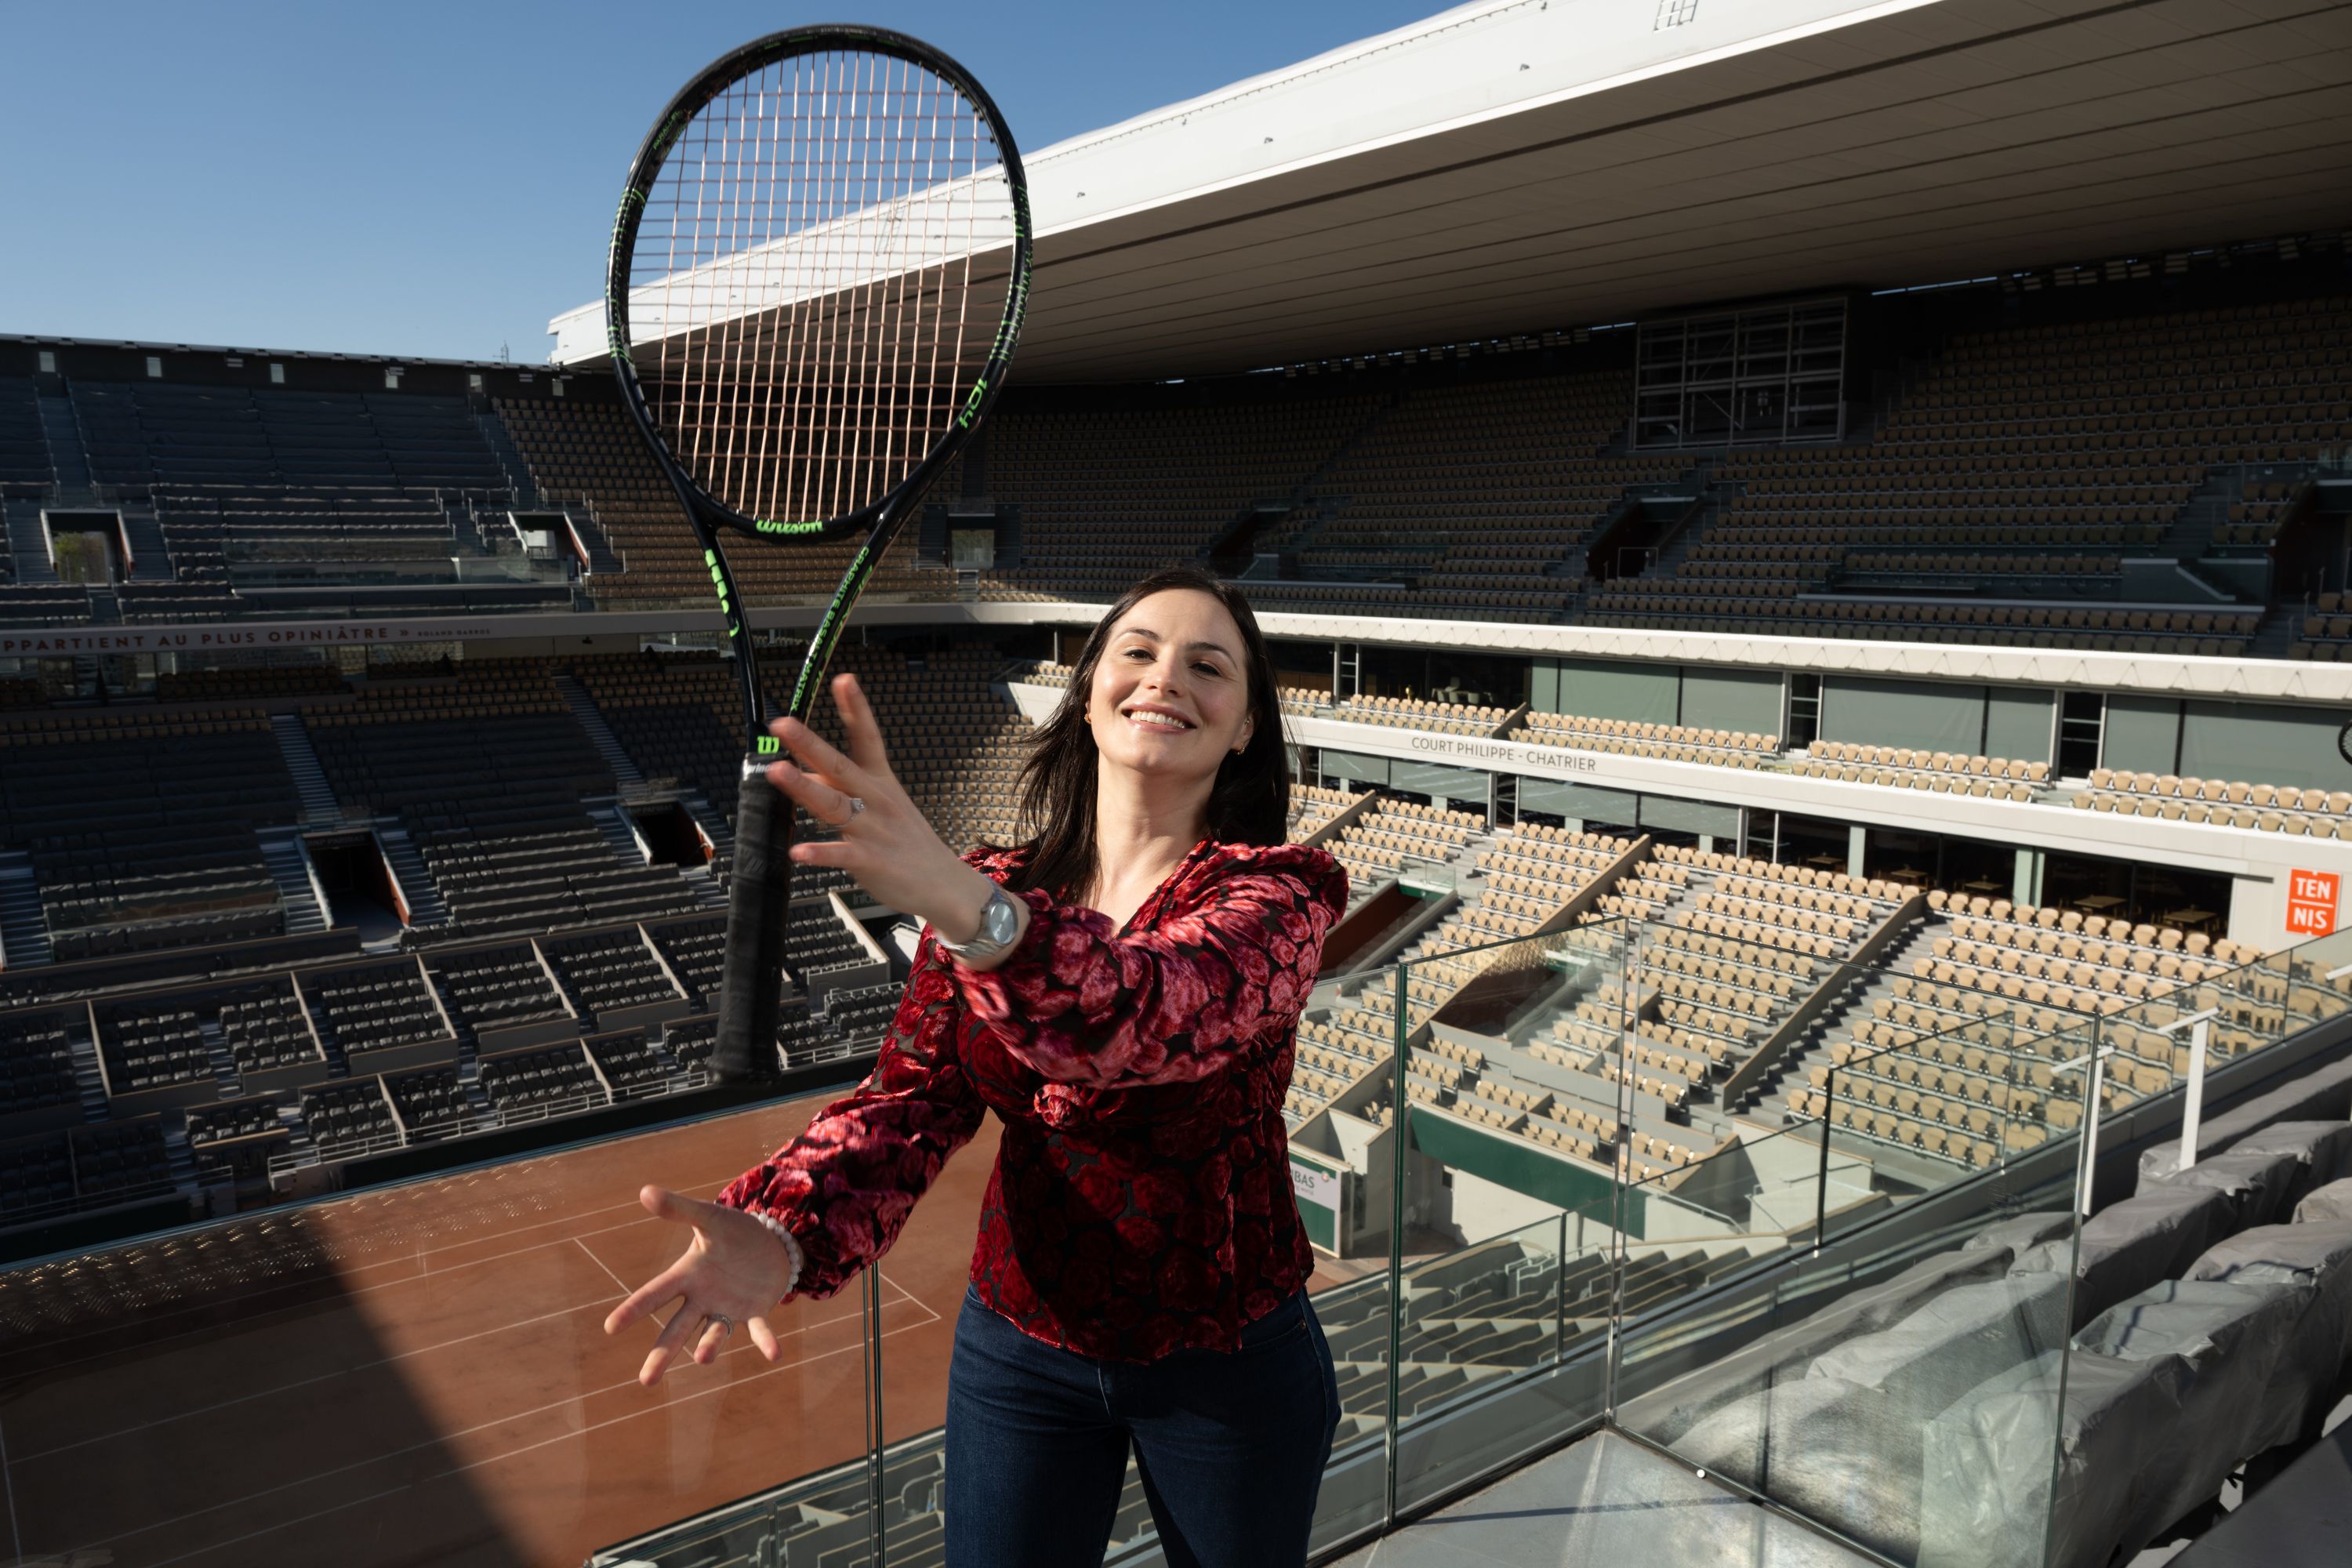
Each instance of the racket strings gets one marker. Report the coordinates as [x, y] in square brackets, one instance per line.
[816, 281]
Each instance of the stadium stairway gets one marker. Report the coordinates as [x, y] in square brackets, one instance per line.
[416, 885]
[28, 558]
[223, 1059]
[150, 561]
[603, 561]
[2190, 532]
[520, 479]
[24, 929]
[62, 430]
[714, 827]
[290, 867]
[319, 807]
[90, 1084]
[600, 735]
[1837, 1022]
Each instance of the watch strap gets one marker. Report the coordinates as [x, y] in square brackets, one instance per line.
[982, 946]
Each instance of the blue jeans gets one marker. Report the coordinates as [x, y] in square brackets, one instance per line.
[1231, 1446]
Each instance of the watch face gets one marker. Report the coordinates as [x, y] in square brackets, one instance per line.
[997, 920]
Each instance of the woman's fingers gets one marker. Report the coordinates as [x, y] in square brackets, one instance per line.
[673, 1335]
[763, 1338]
[857, 719]
[663, 1203]
[824, 852]
[815, 753]
[819, 799]
[651, 1296]
[714, 1340]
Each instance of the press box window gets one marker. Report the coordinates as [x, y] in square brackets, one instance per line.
[49, 363]
[154, 367]
[276, 374]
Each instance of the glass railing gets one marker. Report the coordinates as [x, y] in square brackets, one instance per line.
[1812, 1230]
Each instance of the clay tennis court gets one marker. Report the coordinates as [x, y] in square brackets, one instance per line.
[420, 1375]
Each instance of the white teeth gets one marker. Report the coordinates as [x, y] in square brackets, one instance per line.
[1160, 721]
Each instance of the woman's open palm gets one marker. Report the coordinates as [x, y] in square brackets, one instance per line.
[734, 1269]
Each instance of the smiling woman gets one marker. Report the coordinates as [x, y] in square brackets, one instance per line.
[1123, 988]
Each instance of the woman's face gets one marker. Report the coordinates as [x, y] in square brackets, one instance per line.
[1170, 693]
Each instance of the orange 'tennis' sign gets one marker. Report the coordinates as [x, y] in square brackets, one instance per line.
[2311, 902]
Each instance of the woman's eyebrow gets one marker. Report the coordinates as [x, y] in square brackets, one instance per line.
[1189, 647]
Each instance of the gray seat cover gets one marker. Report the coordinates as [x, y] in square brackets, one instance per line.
[2331, 1202]
[2130, 1245]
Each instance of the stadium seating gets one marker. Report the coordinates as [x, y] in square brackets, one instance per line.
[141, 828]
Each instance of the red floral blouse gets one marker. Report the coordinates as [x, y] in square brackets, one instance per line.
[1141, 1198]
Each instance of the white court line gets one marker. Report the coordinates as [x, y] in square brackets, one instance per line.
[715, 1185]
[458, 1469]
[799, 1327]
[347, 1292]
[605, 1265]
[303, 1382]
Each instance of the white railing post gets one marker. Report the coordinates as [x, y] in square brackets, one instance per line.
[2193, 1115]
[2087, 1157]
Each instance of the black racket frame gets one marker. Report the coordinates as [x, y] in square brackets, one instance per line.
[759, 890]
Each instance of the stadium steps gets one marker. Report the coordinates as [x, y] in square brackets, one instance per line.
[180, 1156]
[87, 1081]
[2190, 533]
[223, 1059]
[24, 929]
[603, 561]
[62, 429]
[520, 479]
[150, 561]
[29, 556]
[714, 827]
[2275, 633]
[614, 824]
[1837, 1023]
[600, 735]
[319, 807]
[290, 867]
[416, 884]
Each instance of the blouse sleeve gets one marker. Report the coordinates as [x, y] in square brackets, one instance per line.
[846, 1185]
[1081, 1004]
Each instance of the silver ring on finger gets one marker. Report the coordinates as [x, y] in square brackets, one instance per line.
[721, 1319]
[855, 806]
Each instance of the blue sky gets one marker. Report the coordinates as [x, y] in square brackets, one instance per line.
[434, 179]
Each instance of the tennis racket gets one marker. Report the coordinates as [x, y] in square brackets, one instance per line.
[817, 276]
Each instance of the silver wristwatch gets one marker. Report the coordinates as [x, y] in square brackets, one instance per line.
[1000, 924]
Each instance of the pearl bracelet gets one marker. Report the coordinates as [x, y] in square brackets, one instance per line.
[791, 1246]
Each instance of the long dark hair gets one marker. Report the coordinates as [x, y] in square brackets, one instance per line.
[1249, 803]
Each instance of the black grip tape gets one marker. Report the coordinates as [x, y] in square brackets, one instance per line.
[756, 900]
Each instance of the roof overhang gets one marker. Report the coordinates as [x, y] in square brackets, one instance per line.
[1509, 166]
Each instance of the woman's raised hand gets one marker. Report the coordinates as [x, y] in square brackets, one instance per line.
[887, 846]
[734, 1271]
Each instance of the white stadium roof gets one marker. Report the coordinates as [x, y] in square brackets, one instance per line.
[1518, 164]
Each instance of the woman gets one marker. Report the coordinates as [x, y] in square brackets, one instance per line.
[1123, 989]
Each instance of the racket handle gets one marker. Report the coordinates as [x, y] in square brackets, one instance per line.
[756, 914]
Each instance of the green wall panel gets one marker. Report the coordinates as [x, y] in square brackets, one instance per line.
[2017, 725]
[1745, 699]
[1599, 690]
[2260, 743]
[1914, 713]
[2143, 734]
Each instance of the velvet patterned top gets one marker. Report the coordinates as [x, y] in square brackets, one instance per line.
[1141, 1199]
